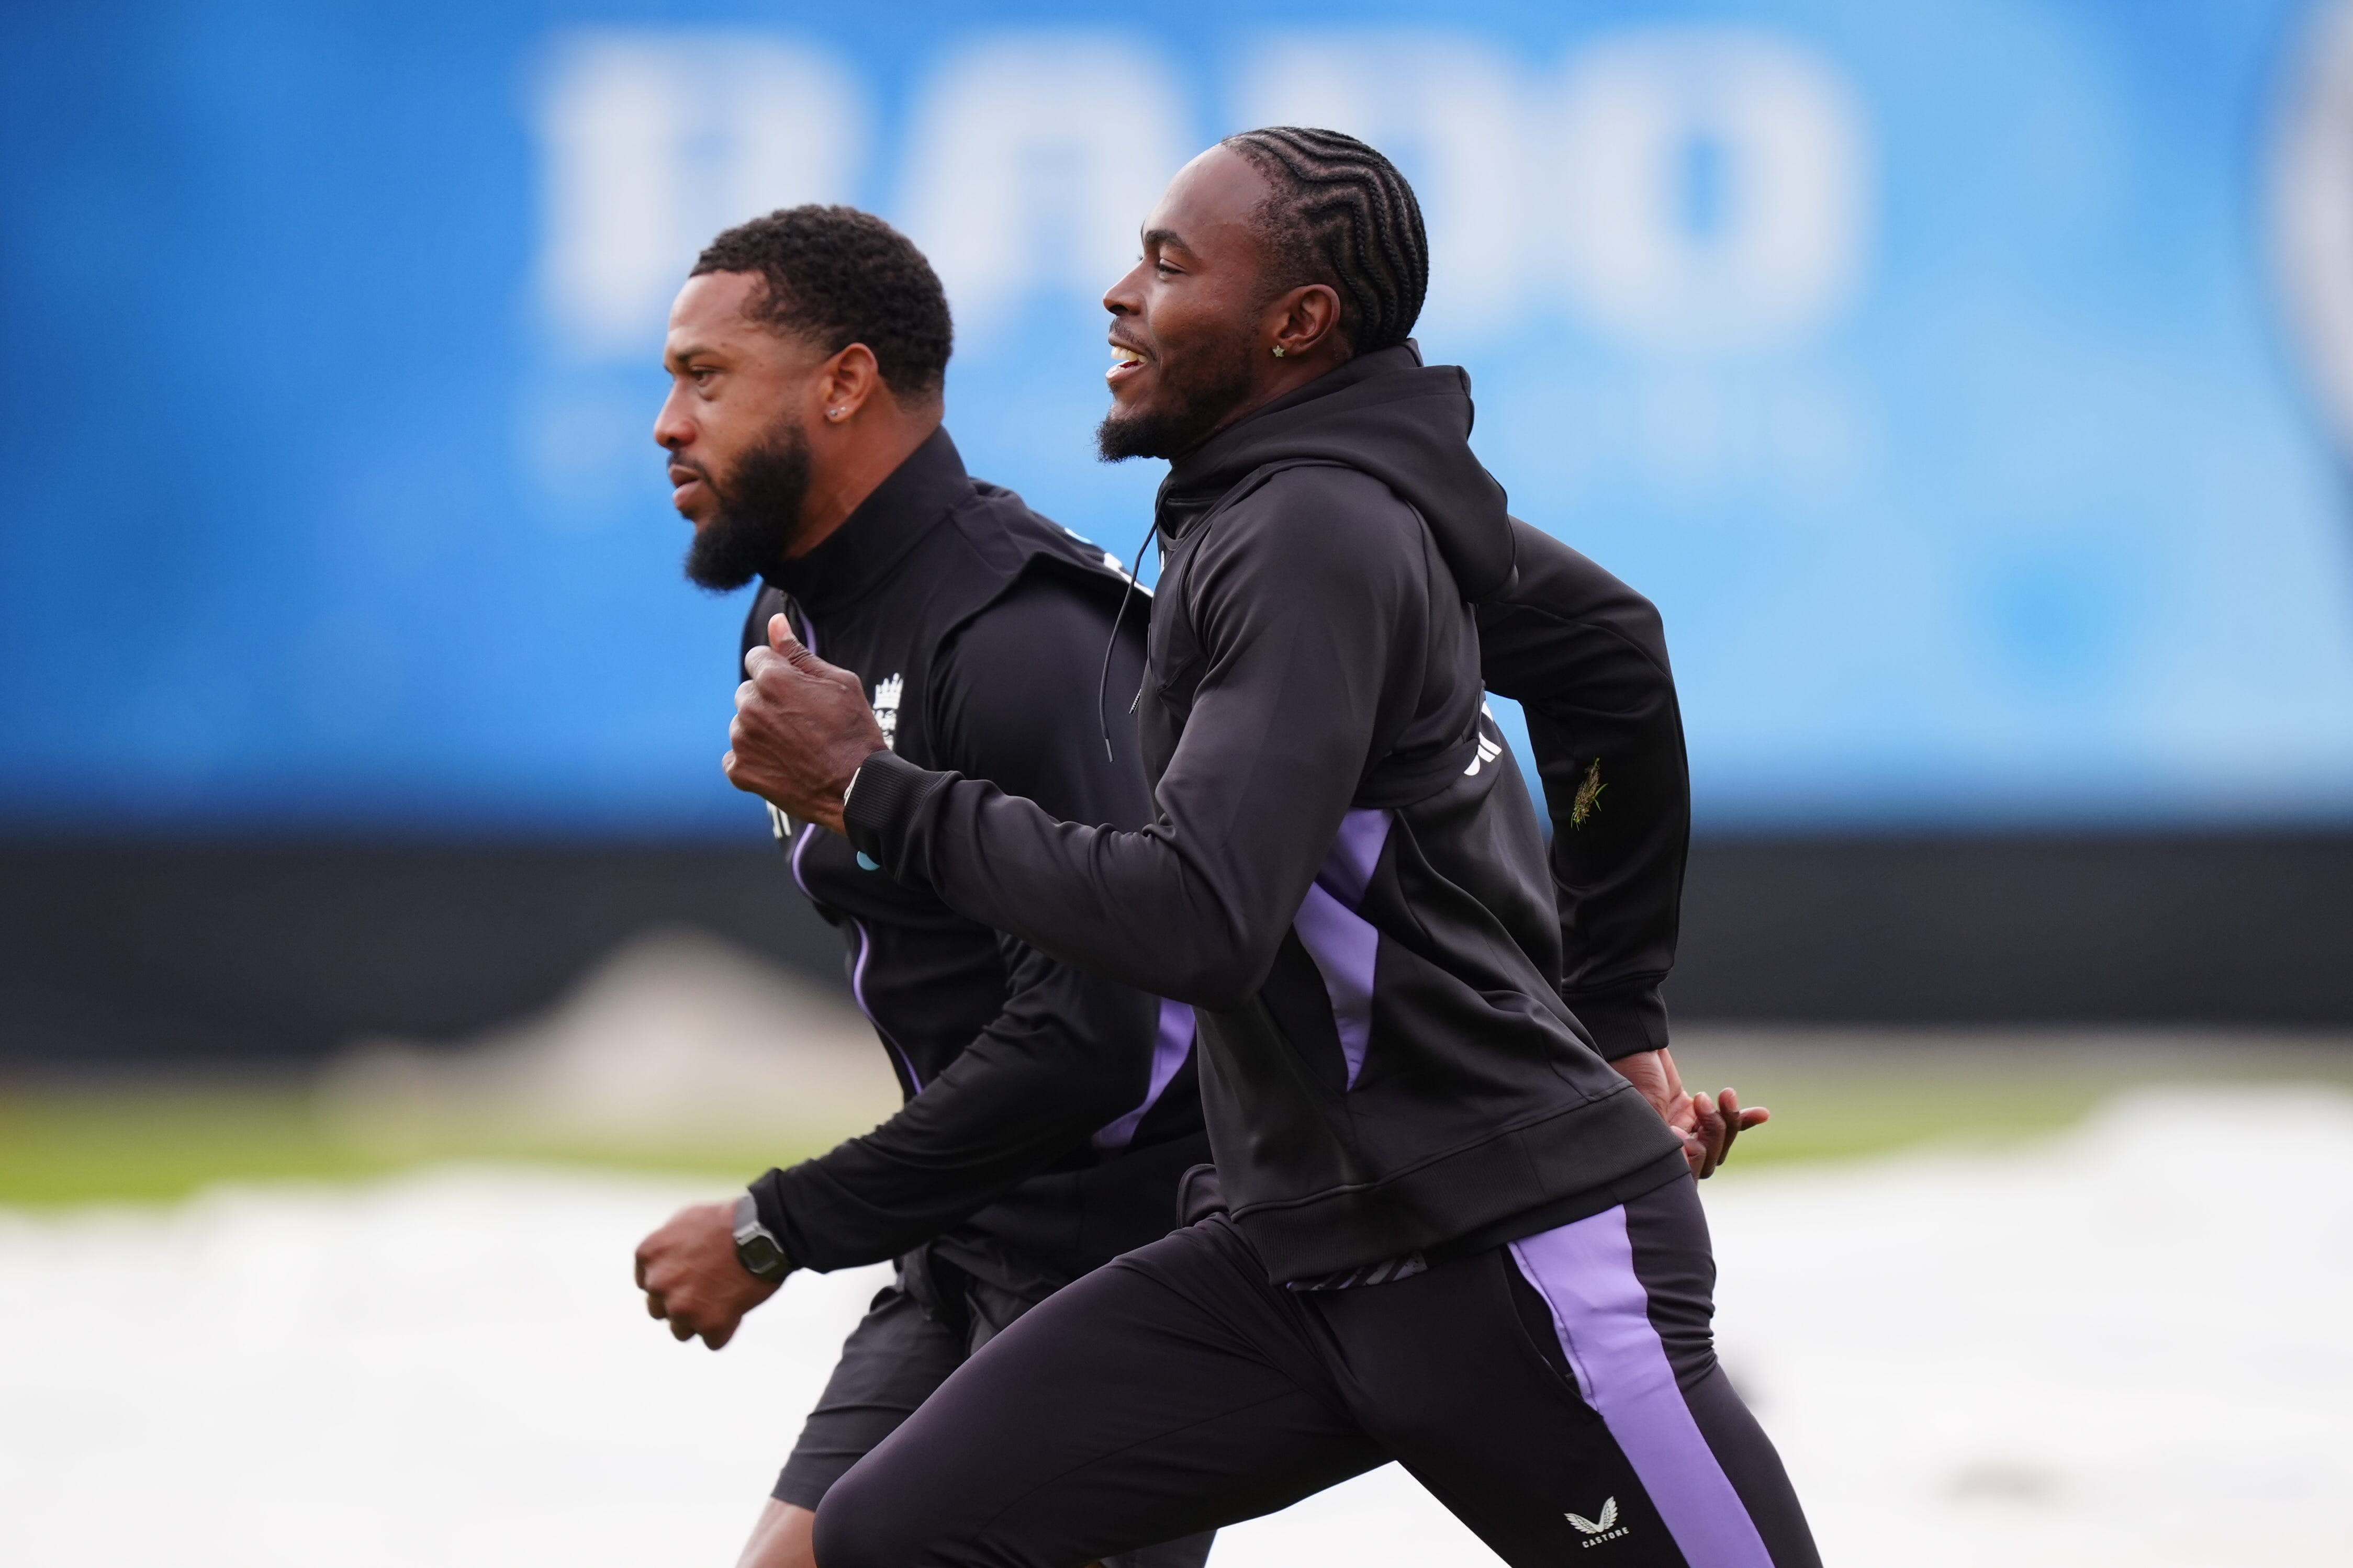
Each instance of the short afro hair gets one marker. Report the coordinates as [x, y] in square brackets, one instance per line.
[840, 275]
[1341, 214]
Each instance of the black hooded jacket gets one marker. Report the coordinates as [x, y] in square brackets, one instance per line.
[1050, 1113]
[1344, 873]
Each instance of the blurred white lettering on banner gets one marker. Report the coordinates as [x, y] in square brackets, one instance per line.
[1689, 199]
[653, 140]
[1031, 159]
[1710, 185]
[1694, 189]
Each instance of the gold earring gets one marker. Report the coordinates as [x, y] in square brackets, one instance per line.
[1278, 351]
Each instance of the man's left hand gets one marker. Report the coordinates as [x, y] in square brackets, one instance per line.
[691, 1276]
[1706, 1126]
[802, 730]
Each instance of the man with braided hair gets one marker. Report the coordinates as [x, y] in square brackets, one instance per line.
[1440, 1228]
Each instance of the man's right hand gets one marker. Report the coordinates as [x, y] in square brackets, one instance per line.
[802, 730]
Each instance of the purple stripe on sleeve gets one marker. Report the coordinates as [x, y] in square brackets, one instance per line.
[1585, 1271]
[1169, 1049]
[1343, 944]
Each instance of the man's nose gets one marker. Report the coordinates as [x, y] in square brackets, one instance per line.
[1121, 298]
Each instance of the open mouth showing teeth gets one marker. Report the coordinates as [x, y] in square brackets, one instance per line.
[1125, 363]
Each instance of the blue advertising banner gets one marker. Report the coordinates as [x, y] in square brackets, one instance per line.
[1969, 381]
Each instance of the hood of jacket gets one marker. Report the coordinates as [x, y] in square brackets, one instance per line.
[1383, 414]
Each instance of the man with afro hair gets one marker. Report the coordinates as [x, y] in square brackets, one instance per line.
[1048, 1114]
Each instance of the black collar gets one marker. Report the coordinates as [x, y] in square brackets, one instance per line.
[1196, 481]
[856, 556]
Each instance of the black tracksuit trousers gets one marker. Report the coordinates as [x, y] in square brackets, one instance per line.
[1559, 1394]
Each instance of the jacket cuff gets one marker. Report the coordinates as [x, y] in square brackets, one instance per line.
[1624, 1020]
[768, 1197]
[882, 802]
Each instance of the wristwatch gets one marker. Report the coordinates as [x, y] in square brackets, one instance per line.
[757, 1247]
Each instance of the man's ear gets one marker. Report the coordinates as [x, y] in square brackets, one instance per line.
[850, 380]
[1307, 319]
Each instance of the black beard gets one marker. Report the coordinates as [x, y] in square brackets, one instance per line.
[759, 514]
[1192, 407]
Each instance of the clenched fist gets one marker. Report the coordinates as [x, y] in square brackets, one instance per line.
[691, 1276]
[802, 730]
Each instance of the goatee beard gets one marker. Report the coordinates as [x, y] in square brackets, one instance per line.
[759, 515]
[1193, 408]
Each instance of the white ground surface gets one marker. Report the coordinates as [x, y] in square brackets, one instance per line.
[2128, 1346]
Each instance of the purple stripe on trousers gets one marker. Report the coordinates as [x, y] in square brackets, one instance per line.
[1343, 944]
[1169, 1049]
[1585, 1271]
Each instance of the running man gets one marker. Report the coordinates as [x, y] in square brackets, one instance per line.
[1446, 1232]
[1048, 1114]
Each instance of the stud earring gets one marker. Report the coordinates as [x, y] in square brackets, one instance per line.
[1278, 351]
[833, 413]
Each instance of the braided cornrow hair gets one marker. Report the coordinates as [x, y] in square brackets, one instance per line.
[1341, 214]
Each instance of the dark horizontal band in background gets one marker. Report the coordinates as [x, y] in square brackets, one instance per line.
[122, 954]
[2160, 928]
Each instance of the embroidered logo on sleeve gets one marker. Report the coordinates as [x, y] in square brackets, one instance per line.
[1588, 799]
[886, 710]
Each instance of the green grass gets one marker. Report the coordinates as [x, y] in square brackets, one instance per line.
[1841, 1096]
[1818, 1120]
[83, 1144]
[1833, 1097]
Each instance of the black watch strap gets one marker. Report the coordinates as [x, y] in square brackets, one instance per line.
[757, 1247]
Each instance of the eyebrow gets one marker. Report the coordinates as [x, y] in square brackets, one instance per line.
[691, 351]
[1166, 236]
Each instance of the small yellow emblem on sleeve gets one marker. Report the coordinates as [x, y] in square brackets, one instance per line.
[1588, 794]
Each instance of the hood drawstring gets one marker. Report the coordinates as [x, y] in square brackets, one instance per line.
[1102, 682]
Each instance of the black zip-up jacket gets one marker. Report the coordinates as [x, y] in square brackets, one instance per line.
[1344, 872]
[1050, 1114]
[1585, 657]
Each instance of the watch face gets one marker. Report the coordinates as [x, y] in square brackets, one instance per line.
[761, 1255]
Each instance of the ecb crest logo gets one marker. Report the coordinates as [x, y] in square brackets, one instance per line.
[2310, 216]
